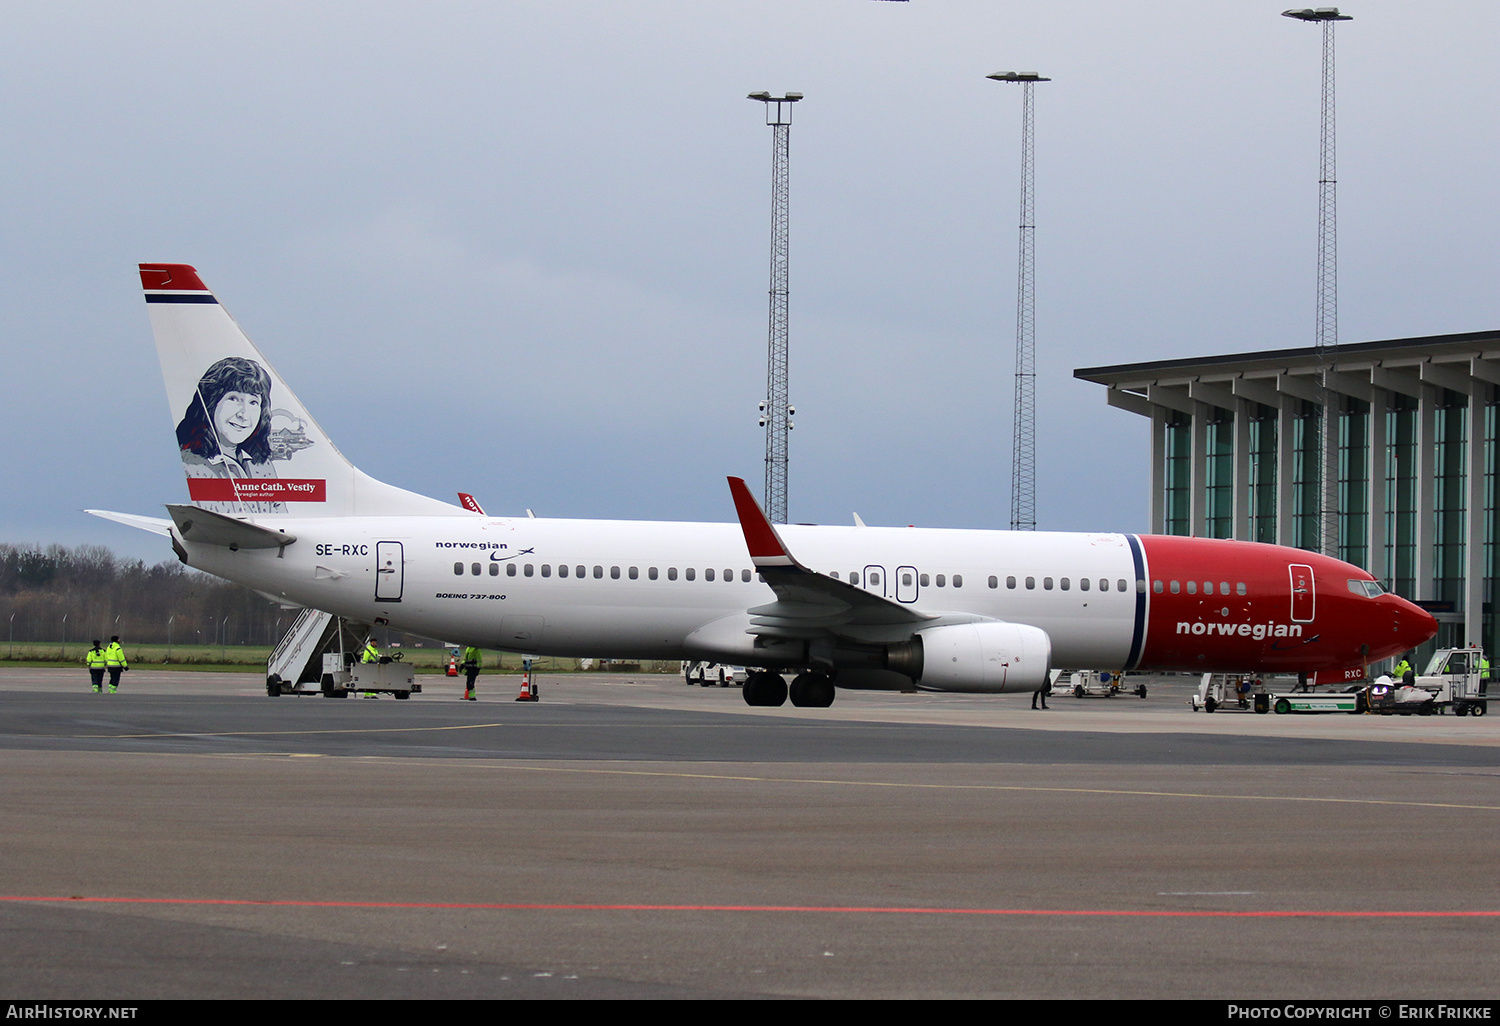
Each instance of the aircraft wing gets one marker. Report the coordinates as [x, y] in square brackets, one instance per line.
[808, 604]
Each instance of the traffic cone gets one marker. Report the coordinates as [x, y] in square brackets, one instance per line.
[528, 689]
[453, 666]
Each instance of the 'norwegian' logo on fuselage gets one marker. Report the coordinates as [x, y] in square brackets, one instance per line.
[1257, 631]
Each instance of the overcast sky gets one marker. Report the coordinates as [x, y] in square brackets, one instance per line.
[520, 249]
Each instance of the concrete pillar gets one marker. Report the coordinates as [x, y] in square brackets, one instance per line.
[1474, 519]
[1241, 529]
[1376, 464]
[1285, 452]
[1198, 492]
[1158, 470]
[1426, 435]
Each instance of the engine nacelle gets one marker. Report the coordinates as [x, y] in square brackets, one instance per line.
[977, 657]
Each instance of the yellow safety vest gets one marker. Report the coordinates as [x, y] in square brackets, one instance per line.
[114, 655]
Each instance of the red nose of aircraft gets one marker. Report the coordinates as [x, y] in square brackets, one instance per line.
[1413, 625]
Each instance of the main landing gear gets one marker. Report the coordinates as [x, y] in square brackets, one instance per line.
[808, 690]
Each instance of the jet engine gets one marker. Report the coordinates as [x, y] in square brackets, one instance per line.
[977, 657]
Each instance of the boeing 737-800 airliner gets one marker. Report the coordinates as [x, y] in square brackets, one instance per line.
[275, 507]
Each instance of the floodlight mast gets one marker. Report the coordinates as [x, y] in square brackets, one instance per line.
[776, 409]
[1328, 283]
[1023, 455]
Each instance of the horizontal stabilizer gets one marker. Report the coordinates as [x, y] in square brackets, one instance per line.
[156, 525]
[203, 527]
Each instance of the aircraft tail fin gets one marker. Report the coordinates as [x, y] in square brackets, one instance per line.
[248, 445]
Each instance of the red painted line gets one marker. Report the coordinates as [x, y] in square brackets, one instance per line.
[892, 910]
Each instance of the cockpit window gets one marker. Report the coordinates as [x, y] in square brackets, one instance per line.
[1369, 589]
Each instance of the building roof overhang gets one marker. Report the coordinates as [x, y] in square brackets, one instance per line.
[1405, 366]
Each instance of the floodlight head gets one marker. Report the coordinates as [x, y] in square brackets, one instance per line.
[1017, 76]
[762, 96]
[1317, 14]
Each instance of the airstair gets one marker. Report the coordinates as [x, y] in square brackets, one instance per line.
[320, 655]
[313, 655]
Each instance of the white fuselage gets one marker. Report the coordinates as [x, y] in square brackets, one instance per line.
[676, 590]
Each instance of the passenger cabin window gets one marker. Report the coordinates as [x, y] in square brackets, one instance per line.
[530, 570]
[546, 569]
[1010, 582]
[1046, 584]
[729, 576]
[510, 569]
[958, 580]
[474, 569]
[1031, 584]
[1239, 588]
[1064, 583]
[708, 574]
[1156, 587]
[458, 568]
[906, 580]
[994, 581]
[744, 576]
[651, 573]
[494, 569]
[874, 580]
[635, 574]
[1176, 588]
[598, 573]
[941, 581]
[1083, 584]
[614, 573]
[689, 573]
[580, 571]
[1223, 587]
[562, 570]
[1192, 587]
[671, 573]
[923, 580]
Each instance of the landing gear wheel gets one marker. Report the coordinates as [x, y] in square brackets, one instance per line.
[812, 691]
[765, 689]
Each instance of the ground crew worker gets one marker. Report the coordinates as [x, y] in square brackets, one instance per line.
[94, 660]
[1402, 670]
[473, 660]
[1042, 693]
[114, 661]
[371, 654]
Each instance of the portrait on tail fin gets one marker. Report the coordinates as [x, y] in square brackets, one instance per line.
[227, 441]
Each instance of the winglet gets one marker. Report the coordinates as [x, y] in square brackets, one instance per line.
[765, 545]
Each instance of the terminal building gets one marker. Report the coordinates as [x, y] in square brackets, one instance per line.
[1236, 452]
